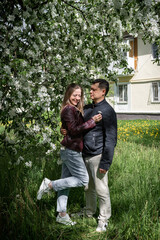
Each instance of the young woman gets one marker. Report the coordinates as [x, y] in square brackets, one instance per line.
[74, 173]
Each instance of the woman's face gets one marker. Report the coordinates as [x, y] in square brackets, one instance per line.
[75, 97]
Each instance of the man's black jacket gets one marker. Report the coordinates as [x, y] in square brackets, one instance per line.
[102, 138]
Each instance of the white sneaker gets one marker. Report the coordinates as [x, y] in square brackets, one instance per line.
[65, 220]
[44, 188]
[101, 226]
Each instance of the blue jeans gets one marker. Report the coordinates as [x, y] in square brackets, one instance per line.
[74, 174]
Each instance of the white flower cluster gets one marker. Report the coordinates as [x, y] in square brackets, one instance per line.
[28, 164]
[38, 62]
[45, 99]
[36, 128]
[19, 160]
[11, 18]
[148, 2]
[152, 25]
[52, 148]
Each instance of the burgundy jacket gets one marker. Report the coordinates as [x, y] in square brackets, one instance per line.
[73, 122]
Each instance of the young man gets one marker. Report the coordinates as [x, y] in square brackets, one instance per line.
[98, 150]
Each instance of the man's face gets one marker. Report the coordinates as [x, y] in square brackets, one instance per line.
[96, 93]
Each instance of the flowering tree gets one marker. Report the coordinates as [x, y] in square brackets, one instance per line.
[46, 44]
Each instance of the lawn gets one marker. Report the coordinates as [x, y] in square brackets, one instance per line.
[134, 182]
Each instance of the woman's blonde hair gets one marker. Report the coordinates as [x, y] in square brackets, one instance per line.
[66, 100]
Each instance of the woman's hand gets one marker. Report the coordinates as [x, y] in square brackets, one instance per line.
[97, 117]
[102, 170]
[63, 131]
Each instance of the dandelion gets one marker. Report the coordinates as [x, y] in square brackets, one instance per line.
[139, 129]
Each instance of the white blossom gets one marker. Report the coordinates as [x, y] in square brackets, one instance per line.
[154, 27]
[1, 94]
[24, 63]
[49, 152]
[59, 161]
[53, 12]
[49, 44]
[58, 57]
[148, 2]
[49, 131]
[20, 159]
[53, 146]
[28, 164]
[7, 69]
[12, 112]
[36, 128]
[7, 50]
[46, 138]
[20, 110]
[11, 18]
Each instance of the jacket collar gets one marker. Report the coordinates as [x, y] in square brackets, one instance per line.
[100, 103]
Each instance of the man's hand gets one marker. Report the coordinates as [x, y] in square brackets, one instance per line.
[102, 171]
[63, 131]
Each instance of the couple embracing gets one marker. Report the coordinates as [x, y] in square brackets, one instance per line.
[87, 152]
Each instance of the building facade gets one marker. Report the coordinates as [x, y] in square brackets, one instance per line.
[138, 95]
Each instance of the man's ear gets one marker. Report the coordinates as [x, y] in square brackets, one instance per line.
[104, 91]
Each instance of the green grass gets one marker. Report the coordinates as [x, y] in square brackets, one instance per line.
[134, 182]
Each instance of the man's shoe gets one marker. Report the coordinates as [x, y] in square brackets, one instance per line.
[101, 226]
[44, 188]
[65, 220]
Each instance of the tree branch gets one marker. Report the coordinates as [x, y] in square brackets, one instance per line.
[79, 10]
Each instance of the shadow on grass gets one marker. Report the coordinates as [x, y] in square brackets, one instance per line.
[42, 225]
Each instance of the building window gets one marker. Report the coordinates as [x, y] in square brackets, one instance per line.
[122, 92]
[131, 51]
[155, 53]
[129, 55]
[156, 91]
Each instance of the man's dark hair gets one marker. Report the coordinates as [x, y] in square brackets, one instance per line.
[102, 84]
